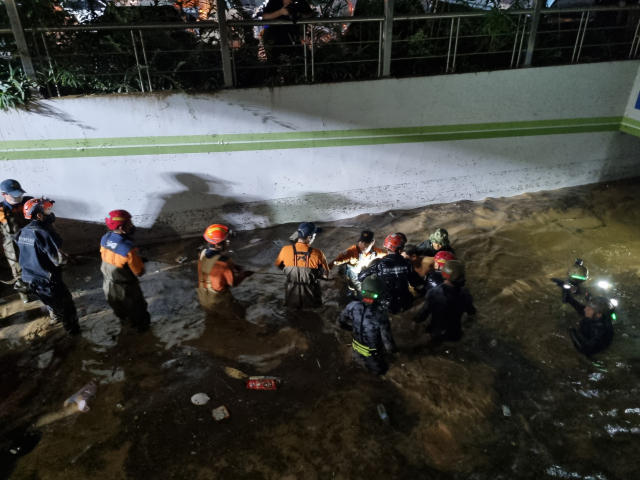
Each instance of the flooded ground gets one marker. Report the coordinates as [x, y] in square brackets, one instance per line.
[570, 417]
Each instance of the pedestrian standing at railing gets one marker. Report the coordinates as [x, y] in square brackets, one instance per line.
[279, 40]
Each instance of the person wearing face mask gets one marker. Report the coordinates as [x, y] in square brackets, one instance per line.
[121, 267]
[41, 260]
[217, 274]
[357, 257]
[303, 266]
[11, 222]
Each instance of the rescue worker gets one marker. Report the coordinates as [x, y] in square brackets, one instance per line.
[303, 266]
[446, 303]
[11, 221]
[595, 332]
[357, 257]
[438, 241]
[397, 273]
[217, 274]
[435, 277]
[121, 268]
[370, 326]
[41, 260]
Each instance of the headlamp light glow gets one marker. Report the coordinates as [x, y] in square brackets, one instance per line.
[604, 284]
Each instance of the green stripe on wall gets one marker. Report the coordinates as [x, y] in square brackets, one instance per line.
[631, 126]
[129, 146]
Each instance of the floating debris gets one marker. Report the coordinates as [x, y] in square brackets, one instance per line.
[234, 373]
[383, 413]
[255, 240]
[506, 411]
[181, 259]
[220, 413]
[263, 383]
[81, 397]
[200, 399]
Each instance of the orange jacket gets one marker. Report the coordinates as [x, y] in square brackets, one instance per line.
[352, 254]
[220, 276]
[315, 259]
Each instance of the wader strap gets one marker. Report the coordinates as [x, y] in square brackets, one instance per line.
[306, 254]
[206, 265]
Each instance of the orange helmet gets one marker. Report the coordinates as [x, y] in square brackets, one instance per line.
[443, 257]
[37, 205]
[216, 233]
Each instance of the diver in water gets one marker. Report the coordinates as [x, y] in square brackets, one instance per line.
[595, 332]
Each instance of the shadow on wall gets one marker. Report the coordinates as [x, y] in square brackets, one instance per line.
[206, 201]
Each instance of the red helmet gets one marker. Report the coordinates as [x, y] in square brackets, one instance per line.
[443, 257]
[117, 218]
[36, 205]
[395, 242]
[216, 233]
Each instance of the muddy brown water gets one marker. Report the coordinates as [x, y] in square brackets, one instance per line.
[571, 417]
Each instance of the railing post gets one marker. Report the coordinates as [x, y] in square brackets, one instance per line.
[387, 37]
[224, 43]
[533, 33]
[21, 41]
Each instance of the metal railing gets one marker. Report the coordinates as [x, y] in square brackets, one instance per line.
[212, 54]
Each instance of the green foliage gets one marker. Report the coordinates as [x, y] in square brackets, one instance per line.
[15, 87]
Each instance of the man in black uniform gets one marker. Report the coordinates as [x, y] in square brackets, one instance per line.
[446, 304]
[41, 261]
[280, 39]
[11, 221]
[370, 326]
[595, 332]
[438, 242]
[397, 273]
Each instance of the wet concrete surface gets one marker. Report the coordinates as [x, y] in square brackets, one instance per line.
[571, 417]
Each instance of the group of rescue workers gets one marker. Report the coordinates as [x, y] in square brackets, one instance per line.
[380, 281]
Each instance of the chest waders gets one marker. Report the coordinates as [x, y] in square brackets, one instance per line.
[302, 289]
[11, 252]
[359, 347]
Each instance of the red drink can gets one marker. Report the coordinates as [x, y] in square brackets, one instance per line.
[263, 383]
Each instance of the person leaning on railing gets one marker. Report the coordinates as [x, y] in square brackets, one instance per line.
[279, 39]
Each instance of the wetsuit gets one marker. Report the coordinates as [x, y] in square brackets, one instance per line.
[303, 266]
[121, 267]
[216, 275]
[356, 260]
[446, 304]
[397, 274]
[11, 222]
[426, 249]
[41, 262]
[594, 334]
[371, 331]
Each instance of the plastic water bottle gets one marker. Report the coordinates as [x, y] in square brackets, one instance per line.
[383, 413]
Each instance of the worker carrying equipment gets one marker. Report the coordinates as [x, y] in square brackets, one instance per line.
[121, 267]
[397, 273]
[217, 274]
[303, 266]
[446, 304]
[41, 260]
[12, 220]
[370, 326]
[357, 257]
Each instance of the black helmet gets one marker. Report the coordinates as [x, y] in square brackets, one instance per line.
[373, 286]
[601, 305]
[454, 271]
